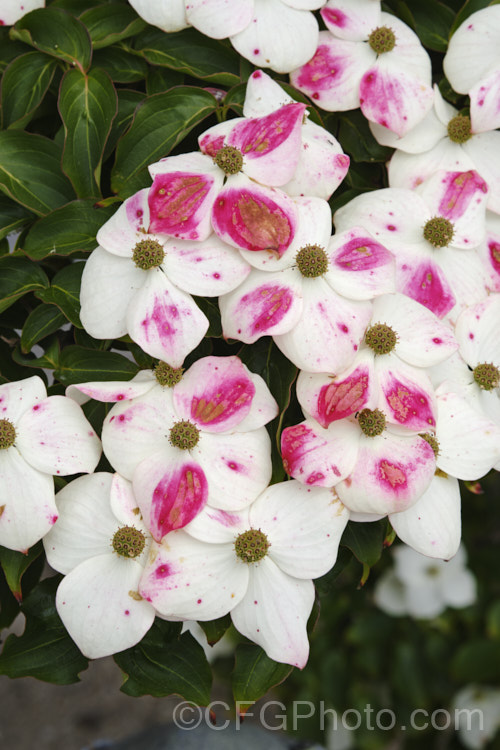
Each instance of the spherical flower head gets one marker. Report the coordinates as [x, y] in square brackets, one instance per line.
[128, 542]
[184, 435]
[229, 159]
[7, 434]
[148, 254]
[167, 375]
[372, 422]
[312, 261]
[382, 39]
[432, 440]
[381, 338]
[459, 129]
[487, 376]
[251, 546]
[439, 231]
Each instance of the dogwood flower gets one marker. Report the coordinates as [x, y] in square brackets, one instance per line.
[371, 60]
[189, 439]
[12, 10]
[40, 437]
[256, 564]
[423, 588]
[472, 66]
[478, 711]
[139, 281]
[100, 544]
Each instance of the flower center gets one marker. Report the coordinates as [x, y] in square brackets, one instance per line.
[128, 541]
[167, 375]
[459, 129]
[148, 254]
[382, 40]
[184, 435]
[7, 434]
[229, 159]
[487, 376]
[251, 546]
[439, 231]
[381, 338]
[432, 440]
[372, 422]
[312, 261]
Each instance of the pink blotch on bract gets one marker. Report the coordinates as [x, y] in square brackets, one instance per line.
[210, 145]
[163, 570]
[223, 517]
[494, 251]
[177, 499]
[409, 406]
[460, 189]
[220, 403]
[258, 136]
[175, 199]
[362, 254]
[392, 474]
[320, 72]
[428, 286]
[334, 16]
[135, 212]
[160, 320]
[382, 99]
[342, 398]
[268, 306]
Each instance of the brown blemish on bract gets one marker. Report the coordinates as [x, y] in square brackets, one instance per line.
[135, 596]
[2, 508]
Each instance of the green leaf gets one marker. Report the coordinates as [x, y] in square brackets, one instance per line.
[493, 620]
[15, 564]
[433, 21]
[158, 667]
[477, 661]
[325, 584]
[44, 650]
[88, 105]
[30, 172]
[49, 360]
[160, 80]
[110, 23]
[41, 322]
[57, 33]
[64, 291]
[120, 65]
[210, 308]
[152, 135]
[24, 85]
[365, 540]
[358, 141]
[215, 629]
[67, 230]
[128, 101]
[12, 216]
[18, 276]
[254, 674]
[9, 606]
[79, 365]
[9, 50]
[191, 53]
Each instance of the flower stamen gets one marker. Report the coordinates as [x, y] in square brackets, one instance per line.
[251, 546]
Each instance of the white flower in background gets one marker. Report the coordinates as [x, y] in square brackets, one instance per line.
[40, 437]
[368, 59]
[276, 34]
[472, 66]
[100, 543]
[489, 251]
[422, 587]
[12, 10]
[478, 710]
[257, 564]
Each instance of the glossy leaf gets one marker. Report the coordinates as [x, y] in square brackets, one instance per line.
[254, 674]
[79, 365]
[30, 172]
[70, 229]
[215, 629]
[358, 141]
[152, 134]
[9, 49]
[160, 80]
[110, 23]
[56, 33]
[64, 291]
[128, 100]
[12, 216]
[433, 21]
[15, 564]
[18, 276]
[120, 65]
[49, 360]
[41, 322]
[88, 105]
[365, 540]
[24, 85]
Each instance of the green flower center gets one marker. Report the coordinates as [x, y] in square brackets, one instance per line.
[7, 434]
[167, 375]
[382, 40]
[184, 435]
[148, 254]
[229, 159]
[432, 440]
[487, 376]
[372, 422]
[381, 338]
[251, 546]
[128, 541]
[312, 261]
[459, 129]
[439, 231]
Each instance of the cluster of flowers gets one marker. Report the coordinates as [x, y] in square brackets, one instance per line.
[392, 321]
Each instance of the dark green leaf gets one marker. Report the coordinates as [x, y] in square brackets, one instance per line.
[433, 21]
[127, 103]
[215, 629]
[493, 620]
[49, 360]
[24, 85]
[365, 540]
[152, 135]
[191, 53]
[12, 216]
[358, 141]
[18, 276]
[67, 230]
[120, 65]
[165, 668]
[9, 50]
[160, 80]
[9, 606]
[210, 308]
[79, 365]
[265, 359]
[477, 661]
[44, 650]
[76, 7]
[41, 322]
[57, 33]
[88, 105]
[325, 584]
[64, 291]
[254, 674]
[30, 172]
[15, 564]
[108, 24]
